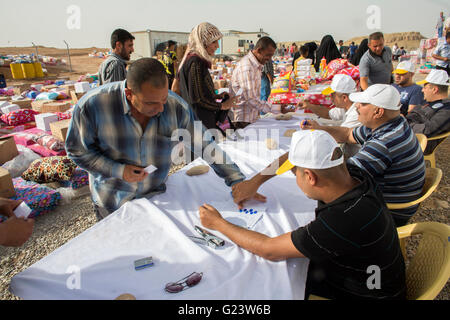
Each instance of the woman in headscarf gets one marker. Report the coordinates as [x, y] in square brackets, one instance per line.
[363, 47]
[327, 50]
[195, 82]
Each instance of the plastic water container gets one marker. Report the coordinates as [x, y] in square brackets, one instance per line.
[16, 70]
[28, 70]
[38, 70]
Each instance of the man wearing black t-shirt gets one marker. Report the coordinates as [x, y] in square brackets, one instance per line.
[352, 245]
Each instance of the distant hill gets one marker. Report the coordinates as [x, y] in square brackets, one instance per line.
[409, 40]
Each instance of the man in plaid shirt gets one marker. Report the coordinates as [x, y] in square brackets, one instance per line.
[121, 128]
[247, 79]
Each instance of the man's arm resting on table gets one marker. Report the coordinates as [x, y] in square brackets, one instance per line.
[274, 249]
[438, 57]
[340, 134]
[320, 110]
[247, 190]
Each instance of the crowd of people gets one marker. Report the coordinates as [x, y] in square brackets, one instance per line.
[126, 124]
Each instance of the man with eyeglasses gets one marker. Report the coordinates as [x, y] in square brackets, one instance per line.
[120, 129]
[390, 151]
[353, 229]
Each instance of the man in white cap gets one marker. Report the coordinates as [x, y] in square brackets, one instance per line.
[433, 118]
[340, 89]
[410, 93]
[352, 230]
[390, 151]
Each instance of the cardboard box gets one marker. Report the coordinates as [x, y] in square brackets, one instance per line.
[37, 105]
[6, 184]
[43, 120]
[59, 129]
[20, 88]
[23, 104]
[48, 88]
[4, 99]
[10, 108]
[8, 149]
[55, 107]
[76, 96]
[68, 87]
[82, 87]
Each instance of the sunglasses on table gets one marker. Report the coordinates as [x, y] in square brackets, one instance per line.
[185, 283]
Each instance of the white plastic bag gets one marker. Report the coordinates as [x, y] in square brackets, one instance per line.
[20, 163]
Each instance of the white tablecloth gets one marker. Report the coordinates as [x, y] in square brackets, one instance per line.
[104, 255]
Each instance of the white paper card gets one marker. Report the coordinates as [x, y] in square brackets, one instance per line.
[150, 169]
[22, 211]
[245, 218]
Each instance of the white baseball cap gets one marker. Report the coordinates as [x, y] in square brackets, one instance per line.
[405, 67]
[341, 83]
[311, 149]
[380, 95]
[439, 77]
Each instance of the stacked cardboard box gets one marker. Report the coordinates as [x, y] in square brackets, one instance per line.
[6, 184]
[43, 120]
[55, 107]
[8, 149]
[59, 129]
[23, 104]
[37, 105]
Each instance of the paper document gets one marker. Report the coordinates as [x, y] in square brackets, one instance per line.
[22, 211]
[150, 169]
[245, 218]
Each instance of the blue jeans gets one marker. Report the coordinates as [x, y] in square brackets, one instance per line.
[440, 32]
[265, 87]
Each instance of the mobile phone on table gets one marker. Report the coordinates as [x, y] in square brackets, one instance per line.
[143, 263]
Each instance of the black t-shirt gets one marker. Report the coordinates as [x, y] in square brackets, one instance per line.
[348, 236]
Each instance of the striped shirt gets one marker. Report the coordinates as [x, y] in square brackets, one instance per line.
[392, 155]
[247, 76]
[113, 69]
[103, 137]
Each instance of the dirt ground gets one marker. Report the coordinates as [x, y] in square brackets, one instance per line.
[57, 228]
[81, 62]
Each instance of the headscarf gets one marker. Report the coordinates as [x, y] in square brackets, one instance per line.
[201, 36]
[363, 47]
[312, 47]
[327, 50]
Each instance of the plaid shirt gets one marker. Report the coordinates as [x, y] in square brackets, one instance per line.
[247, 76]
[103, 137]
[114, 68]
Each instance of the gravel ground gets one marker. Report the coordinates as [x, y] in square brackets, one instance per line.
[56, 228]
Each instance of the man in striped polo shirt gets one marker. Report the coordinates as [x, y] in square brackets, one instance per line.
[390, 151]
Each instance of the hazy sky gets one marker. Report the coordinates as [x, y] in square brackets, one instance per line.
[45, 22]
